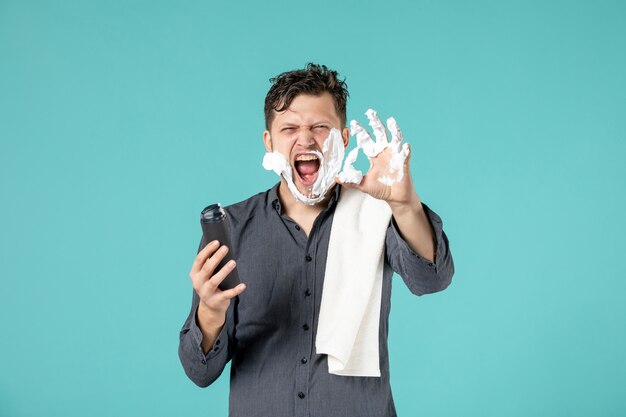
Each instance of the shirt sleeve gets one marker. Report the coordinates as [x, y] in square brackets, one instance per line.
[420, 275]
[203, 369]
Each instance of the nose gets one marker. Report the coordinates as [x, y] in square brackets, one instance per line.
[305, 139]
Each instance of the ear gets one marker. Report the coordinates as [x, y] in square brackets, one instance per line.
[267, 140]
[345, 134]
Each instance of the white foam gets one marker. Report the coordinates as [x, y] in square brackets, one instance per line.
[349, 173]
[399, 151]
[330, 158]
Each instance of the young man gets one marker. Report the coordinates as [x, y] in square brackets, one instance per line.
[267, 324]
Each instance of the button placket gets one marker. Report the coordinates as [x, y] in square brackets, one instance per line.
[306, 336]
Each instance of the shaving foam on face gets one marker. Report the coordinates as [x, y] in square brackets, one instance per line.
[330, 159]
[399, 151]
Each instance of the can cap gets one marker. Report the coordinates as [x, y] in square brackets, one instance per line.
[212, 214]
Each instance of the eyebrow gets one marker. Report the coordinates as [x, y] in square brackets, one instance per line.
[324, 121]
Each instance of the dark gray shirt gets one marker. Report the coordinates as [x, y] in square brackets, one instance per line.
[270, 328]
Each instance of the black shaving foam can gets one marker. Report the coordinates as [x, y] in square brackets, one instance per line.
[215, 226]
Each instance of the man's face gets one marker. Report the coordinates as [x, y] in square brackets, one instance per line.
[300, 129]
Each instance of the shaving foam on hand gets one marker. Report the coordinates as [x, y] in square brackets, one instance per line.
[330, 158]
[349, 173]
[399, 151]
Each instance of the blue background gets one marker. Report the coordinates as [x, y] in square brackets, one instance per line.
[121, 120]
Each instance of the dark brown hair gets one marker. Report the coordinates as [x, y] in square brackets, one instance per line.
[313, 79]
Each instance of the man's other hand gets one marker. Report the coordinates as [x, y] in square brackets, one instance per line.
[213, 301]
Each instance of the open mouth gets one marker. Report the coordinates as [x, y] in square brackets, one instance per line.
[307, 168]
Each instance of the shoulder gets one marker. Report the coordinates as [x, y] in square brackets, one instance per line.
[256, 205]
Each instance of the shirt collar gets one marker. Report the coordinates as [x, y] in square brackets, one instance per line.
[274, 201]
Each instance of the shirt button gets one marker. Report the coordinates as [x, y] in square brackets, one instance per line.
[218, 342]
[308, 258]
[297, 227]
[303, 360]
[430, 264]
[307, 292]
[216, 349]
[301, 395]
[203, 362]
[305, 327]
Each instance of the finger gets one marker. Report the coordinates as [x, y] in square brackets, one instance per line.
[352, 156]
[209, 266]
[233, 292]
[351, 176]
[202, 256]
[221, 275]
[345, 184]
[396, 133]
[363, 139]
[406, 149]
[349, 173]
[400, 162]
[377, 126]
[404, 156]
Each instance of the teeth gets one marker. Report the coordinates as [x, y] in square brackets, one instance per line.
[306, 158]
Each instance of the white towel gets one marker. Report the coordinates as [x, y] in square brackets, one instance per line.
[349, 315]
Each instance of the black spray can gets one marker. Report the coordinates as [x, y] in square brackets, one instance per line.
[215, 227]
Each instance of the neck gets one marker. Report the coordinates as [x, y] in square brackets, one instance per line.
[294, 208]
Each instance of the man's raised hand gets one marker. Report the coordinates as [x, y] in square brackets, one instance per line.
[388, 177]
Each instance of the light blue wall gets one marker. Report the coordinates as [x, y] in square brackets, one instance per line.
[121, 120]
